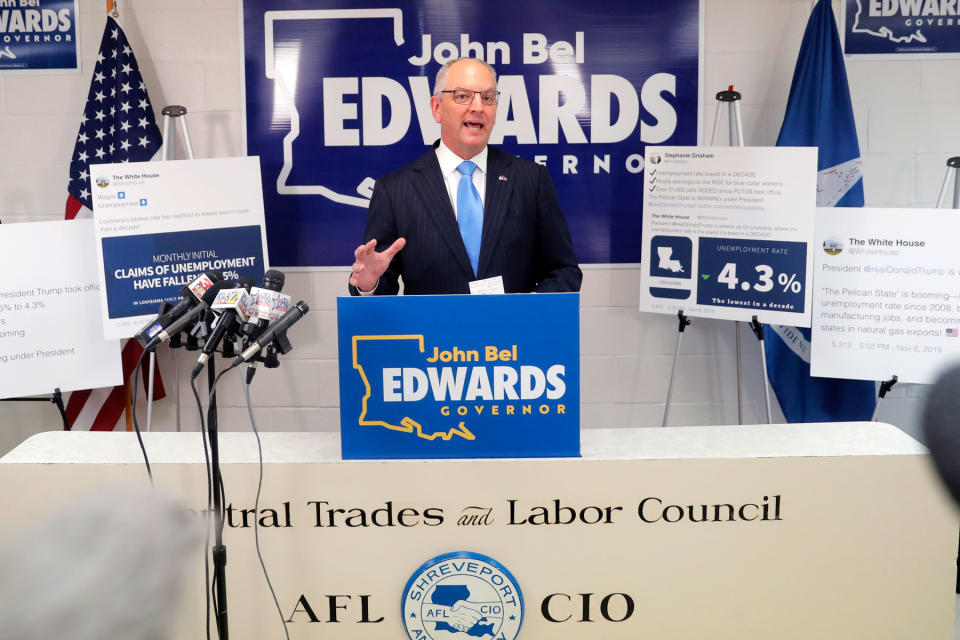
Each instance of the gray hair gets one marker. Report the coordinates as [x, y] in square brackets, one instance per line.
[441, 82]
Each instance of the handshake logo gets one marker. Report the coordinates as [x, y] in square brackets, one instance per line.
[462, 592]
[462, 616]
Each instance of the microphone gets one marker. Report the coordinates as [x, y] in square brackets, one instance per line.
[153, 327]
[275, 330]
[266, 300]
[181, 323]
[191, 295]
[274, 280]
[233, 303]
[941, 428]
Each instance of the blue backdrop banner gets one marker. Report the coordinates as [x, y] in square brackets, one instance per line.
[901, 26]
[338, 95]
[459, 376]
[39, 35]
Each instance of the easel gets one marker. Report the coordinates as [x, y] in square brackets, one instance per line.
[684, 323]
[56, 398]
[167, 152]
[952, 165]
[884, 388]
[168, 149]
[952, 176]
[735, 124]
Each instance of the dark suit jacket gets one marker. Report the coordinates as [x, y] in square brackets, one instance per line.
[525, 235]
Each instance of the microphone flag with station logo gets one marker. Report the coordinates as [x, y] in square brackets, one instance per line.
[234, 306]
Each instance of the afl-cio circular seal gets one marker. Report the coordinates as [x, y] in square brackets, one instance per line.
[462, 595]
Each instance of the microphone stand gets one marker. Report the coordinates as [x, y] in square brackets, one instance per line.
[279, 343]
[219, 550]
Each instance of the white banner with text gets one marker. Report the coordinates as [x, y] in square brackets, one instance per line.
[51, 336]
[887, 299]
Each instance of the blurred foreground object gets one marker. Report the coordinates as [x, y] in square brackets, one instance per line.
[941, 428]
[108, 565]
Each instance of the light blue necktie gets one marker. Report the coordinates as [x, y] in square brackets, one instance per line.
[469, 212]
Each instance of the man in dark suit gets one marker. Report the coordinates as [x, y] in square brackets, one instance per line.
[449, 235]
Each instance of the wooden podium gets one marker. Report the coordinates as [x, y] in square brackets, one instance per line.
[773, 531]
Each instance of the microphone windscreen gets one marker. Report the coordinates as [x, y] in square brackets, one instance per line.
[274, 280]
[941, 428]
[246, 283]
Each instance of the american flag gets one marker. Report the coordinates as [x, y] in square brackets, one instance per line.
[118, 125]
[951, 333]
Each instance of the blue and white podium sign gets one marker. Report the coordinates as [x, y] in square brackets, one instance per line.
[38, 36]
[459, 376]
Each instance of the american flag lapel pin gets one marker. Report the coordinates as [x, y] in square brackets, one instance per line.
[502, 178]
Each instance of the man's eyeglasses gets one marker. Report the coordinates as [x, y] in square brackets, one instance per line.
[465, 96]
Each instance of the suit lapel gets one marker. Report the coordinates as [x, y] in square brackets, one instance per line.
[428, 182]
[496, 201]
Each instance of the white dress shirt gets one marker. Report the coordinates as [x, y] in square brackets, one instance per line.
[449, 161]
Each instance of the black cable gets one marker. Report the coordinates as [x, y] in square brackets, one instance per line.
[256, 506]
[223, 492]
[211, 396]
[223, 506]
[133, 413]
[233, 366]
[206, 541]
[213, 595]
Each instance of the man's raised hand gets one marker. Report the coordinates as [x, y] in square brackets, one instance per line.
[369, 264]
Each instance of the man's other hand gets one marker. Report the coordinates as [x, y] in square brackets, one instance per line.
[369, 264]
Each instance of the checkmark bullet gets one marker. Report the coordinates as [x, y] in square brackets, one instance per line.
[653, 187]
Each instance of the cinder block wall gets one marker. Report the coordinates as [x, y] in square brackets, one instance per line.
[190, 53]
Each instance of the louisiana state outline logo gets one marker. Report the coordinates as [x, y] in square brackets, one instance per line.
[462, 594]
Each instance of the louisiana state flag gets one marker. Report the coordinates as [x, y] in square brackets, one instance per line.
[819, 114]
